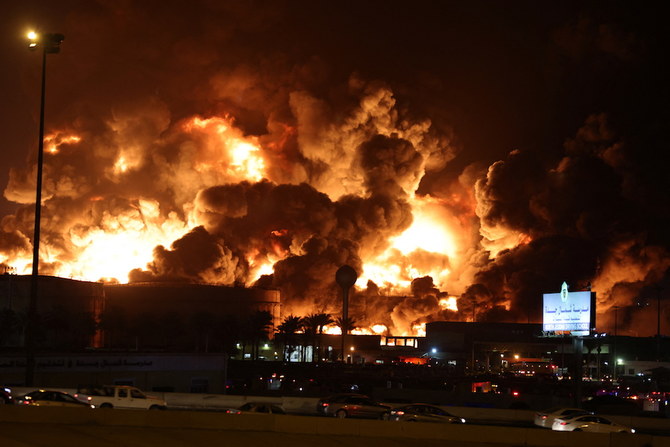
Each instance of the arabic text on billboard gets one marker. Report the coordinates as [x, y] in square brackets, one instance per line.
[567, 312]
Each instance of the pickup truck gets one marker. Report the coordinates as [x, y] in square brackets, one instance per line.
[119, 396]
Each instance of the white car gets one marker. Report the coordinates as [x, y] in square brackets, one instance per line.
[120, 396]
[591, 423]
[546, 417]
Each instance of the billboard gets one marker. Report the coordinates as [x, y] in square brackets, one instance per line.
[569, 313]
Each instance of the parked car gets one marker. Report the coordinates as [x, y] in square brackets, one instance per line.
[51, 398]
[257, 407]
[422, 413]
[120, 396]
[546, 417]
[591, 423]
[6, 396]
[351, 406]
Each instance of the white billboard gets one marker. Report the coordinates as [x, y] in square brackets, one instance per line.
[569, 313]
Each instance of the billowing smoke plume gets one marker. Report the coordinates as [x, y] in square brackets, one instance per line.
[231, 149]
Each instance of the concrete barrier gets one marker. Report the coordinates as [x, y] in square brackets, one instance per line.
[307, 406]
[287, 425]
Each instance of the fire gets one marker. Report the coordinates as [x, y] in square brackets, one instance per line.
[245, 159]
[226, 151]
[52, 142]
[216, 152]
[379, 328]
[106, 251]
[426, 233]
[424, 249]
[450, 303]
[261, 269]
[332, 330]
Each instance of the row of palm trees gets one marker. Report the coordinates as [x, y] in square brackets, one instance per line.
[312, 326]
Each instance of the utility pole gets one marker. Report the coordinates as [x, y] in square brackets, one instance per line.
[614, 359]
[49, 44]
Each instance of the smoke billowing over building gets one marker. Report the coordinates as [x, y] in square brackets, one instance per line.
[464, 158]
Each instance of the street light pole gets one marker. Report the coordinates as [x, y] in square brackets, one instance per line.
[49, 43]
[658, 324]
[614, 360]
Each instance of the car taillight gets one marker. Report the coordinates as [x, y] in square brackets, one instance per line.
[544, 416]
[564, 423]
[324, 404]
[399, 413]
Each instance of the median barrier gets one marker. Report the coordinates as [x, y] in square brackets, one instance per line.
[288, 425]
[307, 406]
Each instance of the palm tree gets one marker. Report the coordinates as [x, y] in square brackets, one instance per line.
[311, 325]
[321, 320]
[346, 325]
[287, 330]
[256, 329]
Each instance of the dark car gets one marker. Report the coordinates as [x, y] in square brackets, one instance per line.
[51, 398]
[6, 396]
[422, 413]
[258, 407]
[351, 406]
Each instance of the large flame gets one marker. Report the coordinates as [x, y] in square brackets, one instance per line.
[125, 239]
[405, 259]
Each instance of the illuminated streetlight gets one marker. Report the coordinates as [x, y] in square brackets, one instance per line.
[50, 44]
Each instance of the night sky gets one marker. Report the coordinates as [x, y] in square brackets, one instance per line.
[542, 131]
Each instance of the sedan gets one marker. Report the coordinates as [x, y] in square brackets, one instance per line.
[591, 423]
[257, 407]
[546, 418]
[422, 413]
[351, 406]
[48, 398]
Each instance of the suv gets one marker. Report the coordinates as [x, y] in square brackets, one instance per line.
[119, 396]
[351, 406]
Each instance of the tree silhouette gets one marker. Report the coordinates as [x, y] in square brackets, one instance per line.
[255, 330]
[314, 324]
[286, 331]
[346, 325]
[323, 320]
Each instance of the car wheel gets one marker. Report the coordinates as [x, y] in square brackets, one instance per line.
[156, 407]
[341, 414]
[385, 416]
[106, 405]
[577, 429]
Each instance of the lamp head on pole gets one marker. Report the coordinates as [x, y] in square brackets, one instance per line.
[49, 41]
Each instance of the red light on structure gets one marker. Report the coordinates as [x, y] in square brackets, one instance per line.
[515, 393]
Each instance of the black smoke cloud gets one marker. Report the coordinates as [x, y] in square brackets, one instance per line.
[356, 106]
[581, 224]
[312, 235]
